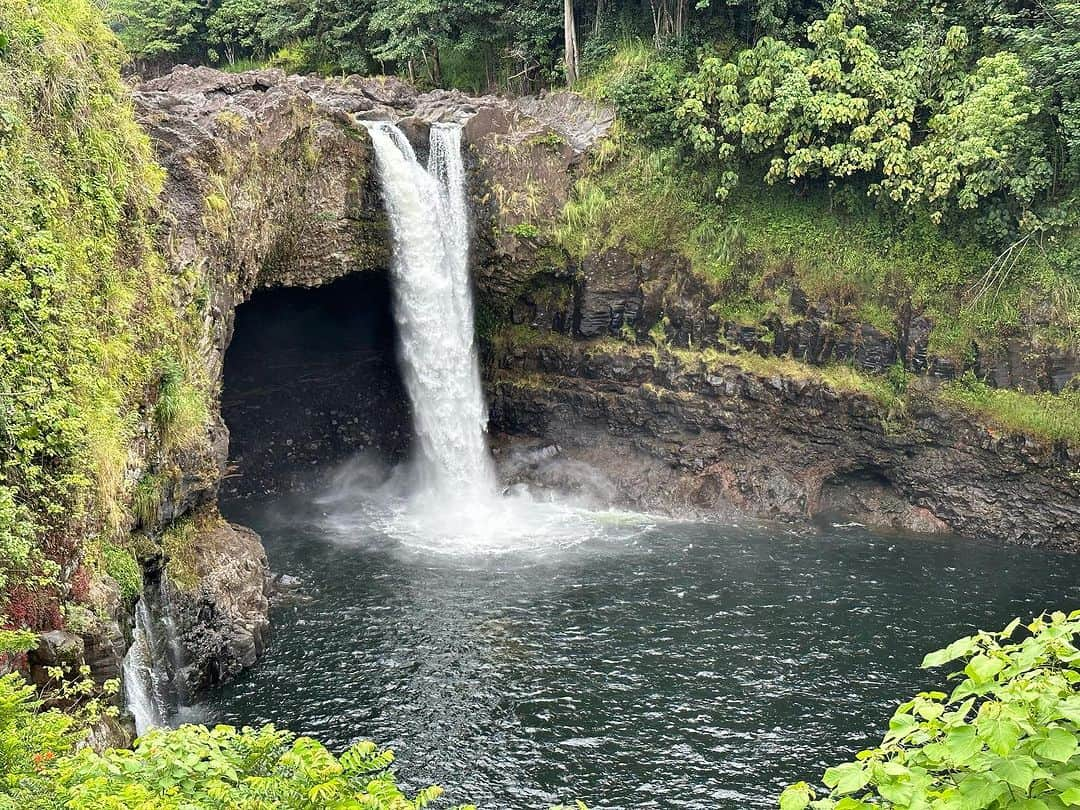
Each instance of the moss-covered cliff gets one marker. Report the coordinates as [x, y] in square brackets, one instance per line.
[95, 363]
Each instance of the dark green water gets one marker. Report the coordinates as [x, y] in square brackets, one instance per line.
[671, 665]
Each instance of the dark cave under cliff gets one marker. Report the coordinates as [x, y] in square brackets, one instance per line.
[311, 378]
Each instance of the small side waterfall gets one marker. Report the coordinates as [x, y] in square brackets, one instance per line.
[153, 686]
[143, 677]
[433, 307]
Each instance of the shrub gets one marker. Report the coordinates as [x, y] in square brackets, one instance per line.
[1007, 736]
[122, 566]
[193, 767]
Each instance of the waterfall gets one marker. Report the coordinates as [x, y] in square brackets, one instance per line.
[446, 499]
[154, 688]
[143, 676]
[433, 307]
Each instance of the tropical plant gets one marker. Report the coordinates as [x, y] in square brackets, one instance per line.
[1006, 736]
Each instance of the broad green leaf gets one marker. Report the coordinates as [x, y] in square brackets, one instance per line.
[1018, 771]
[958, 649]
[1059, 745]
[1000, 735]
[982, 668]
[846, 778]
[795, 797]
[980, 790]
[1010, 628]
[962, 744]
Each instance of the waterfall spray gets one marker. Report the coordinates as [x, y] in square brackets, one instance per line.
[447, 499]
[433, 308]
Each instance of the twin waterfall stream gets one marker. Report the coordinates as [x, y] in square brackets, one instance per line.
[434, 310]
[452, 469]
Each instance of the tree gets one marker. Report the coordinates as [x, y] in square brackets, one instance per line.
[420, 30]
[1046, 35]
[236, 27]
[157, 31]
[570, 48]
[919, 129]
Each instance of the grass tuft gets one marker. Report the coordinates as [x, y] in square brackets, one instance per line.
[1054, 417]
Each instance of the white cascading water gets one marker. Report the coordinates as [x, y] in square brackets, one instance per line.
[433, 308]
[449, 501]
[142, 674]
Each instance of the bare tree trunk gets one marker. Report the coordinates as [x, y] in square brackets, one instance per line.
[599, 16]
[663, 22]
[570, 42]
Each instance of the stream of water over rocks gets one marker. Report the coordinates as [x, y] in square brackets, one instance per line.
[641, 663]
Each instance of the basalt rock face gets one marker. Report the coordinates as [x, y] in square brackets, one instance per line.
[222, 616]
[607, 293]
[681, 435]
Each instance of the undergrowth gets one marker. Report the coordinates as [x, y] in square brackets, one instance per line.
[1049, 416]
[861, 262]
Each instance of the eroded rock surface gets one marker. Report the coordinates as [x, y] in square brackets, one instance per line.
[684, 437]
[222, 615]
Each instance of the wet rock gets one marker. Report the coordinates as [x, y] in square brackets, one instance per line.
[730, 442]
[56, 648]
[608, 295]
[223, 617]
[102, 629]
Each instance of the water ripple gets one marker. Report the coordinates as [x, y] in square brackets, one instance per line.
[671, 665]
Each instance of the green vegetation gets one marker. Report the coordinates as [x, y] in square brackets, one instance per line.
[178, 545]
[1006, 736]
[191, 768]
[86, 306]
[181, 410]
[470, 45]
[1053, 417]
[122, 566]
[762, 242]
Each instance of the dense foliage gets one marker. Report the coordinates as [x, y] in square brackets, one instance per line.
[955, 121]
[472, 44]
[193, 767]
[88, 323]
[1006, 736]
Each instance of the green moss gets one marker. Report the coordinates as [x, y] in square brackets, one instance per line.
[1055, 417]
[525, 230]
[120, 564]
[840, 377]
[87, 307]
